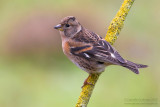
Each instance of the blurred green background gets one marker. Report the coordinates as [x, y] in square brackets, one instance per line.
[35, 73]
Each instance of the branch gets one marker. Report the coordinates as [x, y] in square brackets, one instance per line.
[117, 23]
[112, 34]
[87, 90]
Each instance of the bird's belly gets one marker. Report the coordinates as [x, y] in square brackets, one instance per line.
[86, 65]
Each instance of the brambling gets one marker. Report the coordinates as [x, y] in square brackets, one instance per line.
[89, 51]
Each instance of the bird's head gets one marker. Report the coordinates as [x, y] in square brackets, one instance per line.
[69, 26]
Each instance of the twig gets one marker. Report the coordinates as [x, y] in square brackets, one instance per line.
[112, 34]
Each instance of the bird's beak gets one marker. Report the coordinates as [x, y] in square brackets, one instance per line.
[59, 27]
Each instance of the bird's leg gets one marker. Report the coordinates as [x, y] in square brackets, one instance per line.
[86, 82]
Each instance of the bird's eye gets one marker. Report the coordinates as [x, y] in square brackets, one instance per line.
[67, 25]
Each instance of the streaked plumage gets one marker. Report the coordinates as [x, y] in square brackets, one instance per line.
[88, 50]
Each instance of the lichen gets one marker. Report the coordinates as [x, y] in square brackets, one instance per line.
[118, 22]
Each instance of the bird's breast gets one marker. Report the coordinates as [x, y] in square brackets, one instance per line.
[66, 48]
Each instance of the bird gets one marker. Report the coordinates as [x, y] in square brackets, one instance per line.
[88, 50]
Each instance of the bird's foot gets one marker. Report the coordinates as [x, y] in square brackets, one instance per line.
[86, 82]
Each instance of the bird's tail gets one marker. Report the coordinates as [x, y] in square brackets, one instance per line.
[133, 66]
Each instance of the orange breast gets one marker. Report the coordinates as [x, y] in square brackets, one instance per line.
[66, 48]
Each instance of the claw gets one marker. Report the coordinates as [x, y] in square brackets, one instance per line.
[86, 83]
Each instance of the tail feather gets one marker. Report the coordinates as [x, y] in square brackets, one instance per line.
[137, 65]
[133, 66]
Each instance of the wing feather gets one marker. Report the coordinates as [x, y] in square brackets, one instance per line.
[101, 51]
[110, 54]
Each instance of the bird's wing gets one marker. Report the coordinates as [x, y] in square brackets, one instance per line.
[101, 51]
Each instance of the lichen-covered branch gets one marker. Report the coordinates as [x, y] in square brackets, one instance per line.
[87, 90]
[117, 23]
[112, 34]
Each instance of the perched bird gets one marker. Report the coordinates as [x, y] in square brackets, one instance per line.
[89, 51]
